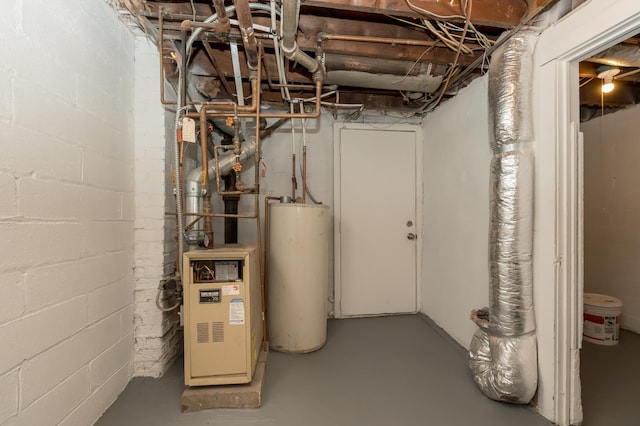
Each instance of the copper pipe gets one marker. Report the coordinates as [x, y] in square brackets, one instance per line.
[304, 174]
[170, 16]
[315, 114]
[193, 222]
[243, 13]
[204, 182]
[256, 155]
[204, 153]
[230, 106]
[304, 158]
[204, 215]
[294, 182]
[407, 42]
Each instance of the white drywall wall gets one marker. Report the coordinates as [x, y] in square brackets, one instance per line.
[612, 210]
[455, 271]
[66, 210]
[157, 335]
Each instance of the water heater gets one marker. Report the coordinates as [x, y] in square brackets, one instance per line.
[223, 315]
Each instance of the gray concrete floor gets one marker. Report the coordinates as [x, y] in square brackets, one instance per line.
[611, 382]
[391, 371]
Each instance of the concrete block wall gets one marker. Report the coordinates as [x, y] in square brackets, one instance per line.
[157, 333]
[66, 216]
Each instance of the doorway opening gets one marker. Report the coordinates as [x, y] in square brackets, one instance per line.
[610, 123]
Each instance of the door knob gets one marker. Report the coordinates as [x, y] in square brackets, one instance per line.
[411, 236]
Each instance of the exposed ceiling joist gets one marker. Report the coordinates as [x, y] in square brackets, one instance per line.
[492, 13]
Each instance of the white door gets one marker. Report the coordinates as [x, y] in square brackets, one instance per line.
[376, 232]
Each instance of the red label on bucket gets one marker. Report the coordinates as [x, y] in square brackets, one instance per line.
[594, 318]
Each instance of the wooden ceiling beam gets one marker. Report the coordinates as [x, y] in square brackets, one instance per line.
[492, 13]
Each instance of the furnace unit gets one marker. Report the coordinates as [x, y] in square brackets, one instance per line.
[223, 315]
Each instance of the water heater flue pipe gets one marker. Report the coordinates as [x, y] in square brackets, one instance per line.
[503, 351]
[290, 10]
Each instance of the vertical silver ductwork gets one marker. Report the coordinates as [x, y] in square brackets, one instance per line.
[503, 351]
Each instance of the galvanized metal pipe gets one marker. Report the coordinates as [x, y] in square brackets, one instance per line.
[290, 10]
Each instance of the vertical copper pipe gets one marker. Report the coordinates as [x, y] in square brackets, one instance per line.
[304, 157]
[294, 182]
[204, 182]
[304, 174]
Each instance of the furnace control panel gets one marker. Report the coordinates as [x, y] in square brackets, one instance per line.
[214, 271]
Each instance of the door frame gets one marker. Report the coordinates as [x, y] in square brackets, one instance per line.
[557, 270]
[416, 129]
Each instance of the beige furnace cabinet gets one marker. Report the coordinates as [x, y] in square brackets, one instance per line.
[223, 315]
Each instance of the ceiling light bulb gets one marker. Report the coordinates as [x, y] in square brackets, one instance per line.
[607, 74]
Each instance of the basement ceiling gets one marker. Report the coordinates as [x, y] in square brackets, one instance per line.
[392, 55]
[623, 57]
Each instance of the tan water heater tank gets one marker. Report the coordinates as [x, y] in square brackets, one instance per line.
[298, 277]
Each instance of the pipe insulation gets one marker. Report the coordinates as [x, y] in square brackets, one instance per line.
[503, 351]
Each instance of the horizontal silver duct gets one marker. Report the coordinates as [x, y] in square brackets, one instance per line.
[424, 83]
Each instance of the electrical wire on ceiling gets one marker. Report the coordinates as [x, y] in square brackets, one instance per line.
[466, 10]
[443, 28]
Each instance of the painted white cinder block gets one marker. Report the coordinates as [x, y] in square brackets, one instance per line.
[67, 231]
[155, 343]
[110, 361]
[7, 195]
[27, 94]
[105, 172]
[6, 93]
[56, 159]
[38, 331]
[92, 408]
[48, 199]
[30, 244]
[42, 373]
[109, 299]
[53, 284]
[107, 237]
[9, 384]
[56, 404]
[12, 303]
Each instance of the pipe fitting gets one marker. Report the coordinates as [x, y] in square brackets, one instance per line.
[289, 30]
[186, 25]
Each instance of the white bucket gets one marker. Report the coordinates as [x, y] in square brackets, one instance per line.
[601, 319]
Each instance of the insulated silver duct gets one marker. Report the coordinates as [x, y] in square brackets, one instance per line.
[620, 55]
[503, 352]
[424, 83]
